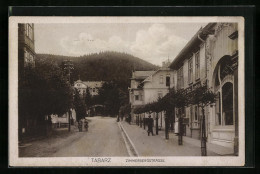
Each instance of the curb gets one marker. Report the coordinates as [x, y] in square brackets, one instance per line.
[129, 144]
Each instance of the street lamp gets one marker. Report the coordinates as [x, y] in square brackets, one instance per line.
[68, 66]
[180, 128]
[157, 123]
[168, 77]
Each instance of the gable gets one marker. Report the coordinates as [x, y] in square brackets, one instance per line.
[79, 85]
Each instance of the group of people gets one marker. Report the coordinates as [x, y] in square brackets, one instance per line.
[81, 123]
[149, 123]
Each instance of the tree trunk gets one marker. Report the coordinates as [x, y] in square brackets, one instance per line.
[167, 126]
[180, 131]
[69, 119]
[157, 124]
[144, 122]
[203, 135]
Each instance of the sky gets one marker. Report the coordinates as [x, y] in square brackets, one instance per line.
[152, 42]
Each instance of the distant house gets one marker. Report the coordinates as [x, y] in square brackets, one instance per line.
[92, 86]
[136, 94]
[156, 86]
[148, 86]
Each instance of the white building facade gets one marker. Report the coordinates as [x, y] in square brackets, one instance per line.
[211, 57]
[136, 93]
[92, 86]
[157, 86]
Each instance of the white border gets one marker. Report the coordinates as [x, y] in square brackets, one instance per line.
[14, 160]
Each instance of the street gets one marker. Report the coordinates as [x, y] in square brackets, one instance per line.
[106, 137]
[103, 138]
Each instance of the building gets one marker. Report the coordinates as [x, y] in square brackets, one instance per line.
[26, 48]
[26, 58]
[148, 89]
[136, 94]
[222, 51]
[92, 86]
[211, 57]
[157, 85]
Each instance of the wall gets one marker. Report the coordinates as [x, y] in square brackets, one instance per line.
[81, 87]
[220, 45]
[152, 87]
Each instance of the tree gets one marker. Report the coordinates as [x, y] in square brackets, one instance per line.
[88, 99]
[155, 106]
[109, 97]
[203, 96]
[80, 107]
[125, 110]
[181, 101]
[42, 91]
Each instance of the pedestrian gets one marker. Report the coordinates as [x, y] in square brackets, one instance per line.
[150, 125]
[80, 125]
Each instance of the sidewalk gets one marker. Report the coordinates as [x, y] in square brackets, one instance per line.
[45, 146]
[157, 145]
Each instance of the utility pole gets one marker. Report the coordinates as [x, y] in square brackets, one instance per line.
[68, 66]
[203, 136]
[180, 129]
[168, 80]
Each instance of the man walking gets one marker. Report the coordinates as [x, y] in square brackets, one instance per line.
[150, 125]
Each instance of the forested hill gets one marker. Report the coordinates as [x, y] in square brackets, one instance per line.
[105, 66]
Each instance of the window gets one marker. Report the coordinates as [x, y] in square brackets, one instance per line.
[227, 103]
[136, 97]
[180, 78]
[161, 79]
[218, 110]
[224, 109]
[197, 66]
[94, 90]
[191, 112]
[29, 31]
[190, 70]
[31, 58]
[196, 113]
[168, 80]
[26, 56]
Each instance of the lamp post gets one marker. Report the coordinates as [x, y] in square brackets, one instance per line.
[68, 66]
[203, 135]
[168, 77]
[180, 130]
[166, 126]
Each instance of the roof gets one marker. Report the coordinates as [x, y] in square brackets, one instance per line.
[141, 74]
[202, 33]
[91, 84]
[155, 72]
